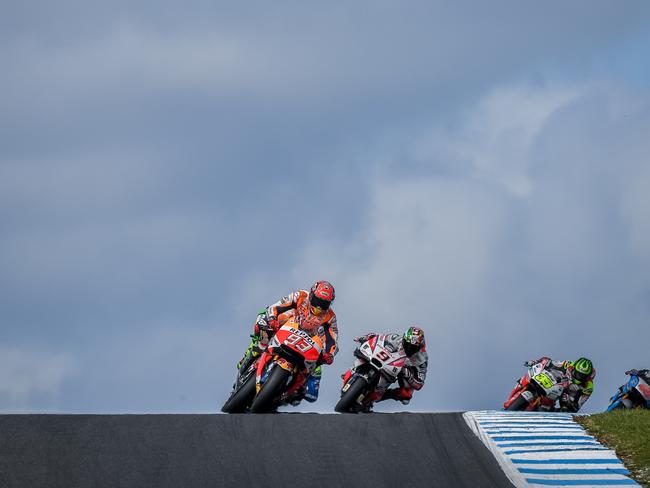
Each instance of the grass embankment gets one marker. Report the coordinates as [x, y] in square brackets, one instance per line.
[628, 433]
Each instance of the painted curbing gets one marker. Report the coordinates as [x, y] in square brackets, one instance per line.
[537, 449]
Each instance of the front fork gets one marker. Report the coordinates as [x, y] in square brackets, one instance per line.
[263, 370]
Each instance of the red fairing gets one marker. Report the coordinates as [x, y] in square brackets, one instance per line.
[261, 364]
[298, 343]
[373, 342]
[347, 376]
[398, 362]
[516, 391]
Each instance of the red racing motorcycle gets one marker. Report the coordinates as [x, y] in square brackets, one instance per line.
[540, 386]
[279, 373]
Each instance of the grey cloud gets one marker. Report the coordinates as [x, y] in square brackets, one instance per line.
[29, 374]
[178, 166]
[497, 277]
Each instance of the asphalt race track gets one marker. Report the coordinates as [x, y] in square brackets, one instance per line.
[185, 451]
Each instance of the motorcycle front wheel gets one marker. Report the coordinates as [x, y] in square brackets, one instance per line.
[349, 397]
[240, 399]
[519, 404]
[263, 402]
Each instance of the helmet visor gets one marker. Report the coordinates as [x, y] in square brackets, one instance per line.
[579, 377]
[410, 349]
[319, 303]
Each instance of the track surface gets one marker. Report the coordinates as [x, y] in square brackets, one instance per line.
[311, 450]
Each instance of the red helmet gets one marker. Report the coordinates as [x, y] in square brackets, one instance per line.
[321, 295]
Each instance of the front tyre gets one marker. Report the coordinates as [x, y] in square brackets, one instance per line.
[240, 399]
[349, 398]
[271, 388]
[519, 404]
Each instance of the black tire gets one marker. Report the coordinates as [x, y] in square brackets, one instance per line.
[241, 399]
[519, 404]
[263, 402]
[349, 398]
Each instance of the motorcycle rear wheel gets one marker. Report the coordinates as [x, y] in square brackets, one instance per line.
[263, 402]
[240, 399]
[520, 403]
[349, 398]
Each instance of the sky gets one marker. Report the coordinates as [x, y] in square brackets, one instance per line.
[167, 169]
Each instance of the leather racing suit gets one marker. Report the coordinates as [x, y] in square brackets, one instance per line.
[413, 374]
[295, 305]
[575, 395]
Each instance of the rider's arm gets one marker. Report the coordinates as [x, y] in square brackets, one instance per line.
[417, 371]
[331, 336]
[285, 303]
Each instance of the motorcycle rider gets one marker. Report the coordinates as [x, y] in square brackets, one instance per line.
[413, 373]
[580, 373]
[312, 312]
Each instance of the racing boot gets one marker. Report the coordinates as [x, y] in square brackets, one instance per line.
[312, 385]
[402, 394]
[251, 353]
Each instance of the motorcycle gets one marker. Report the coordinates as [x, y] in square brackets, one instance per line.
[635, 393]
[377, 365]
[538, 389]
[276, 377]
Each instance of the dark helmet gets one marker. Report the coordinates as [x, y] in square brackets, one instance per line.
[321, 295]
[581, 370]
[413, 340]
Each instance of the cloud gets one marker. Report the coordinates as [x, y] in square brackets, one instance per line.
[512, 257]
[27, 374]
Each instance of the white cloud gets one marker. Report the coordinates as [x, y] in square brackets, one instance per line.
[497, 135]
[26, 373]
[496, 279]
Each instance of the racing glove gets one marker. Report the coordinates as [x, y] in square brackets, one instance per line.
[528, 364]
[327, 358]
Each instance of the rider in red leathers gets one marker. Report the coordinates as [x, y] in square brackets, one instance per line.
[311, 311]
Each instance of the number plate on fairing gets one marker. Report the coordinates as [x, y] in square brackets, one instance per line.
[543, 379]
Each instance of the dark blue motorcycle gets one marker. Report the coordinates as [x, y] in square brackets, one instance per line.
[633, 394]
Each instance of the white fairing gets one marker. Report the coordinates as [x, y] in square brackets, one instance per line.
[386, 357]
[551, 381]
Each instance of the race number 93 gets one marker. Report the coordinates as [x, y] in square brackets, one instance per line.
[298, 342]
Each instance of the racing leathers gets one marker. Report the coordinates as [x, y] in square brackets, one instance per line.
[413, 374]
[295, 305]
[574, 395]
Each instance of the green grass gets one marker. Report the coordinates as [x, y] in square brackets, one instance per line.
[628, 433]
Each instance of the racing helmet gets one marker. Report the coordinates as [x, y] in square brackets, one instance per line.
[581, 370]
[321, 296]
[413, 340]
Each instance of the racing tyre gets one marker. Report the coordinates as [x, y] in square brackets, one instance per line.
[519, 404]
[349, 398]
[240, 399]
[270, 390]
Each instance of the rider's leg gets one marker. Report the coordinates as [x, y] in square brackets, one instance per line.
[313, 385]
[403, 394]
[250, 354]
[259, 339]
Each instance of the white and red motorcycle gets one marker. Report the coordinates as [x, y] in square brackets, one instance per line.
[377, 365]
